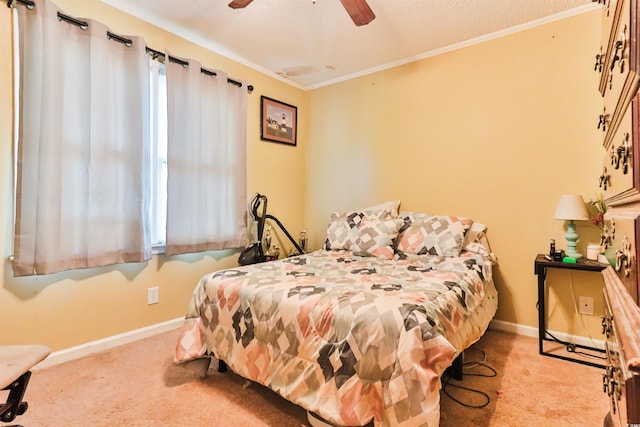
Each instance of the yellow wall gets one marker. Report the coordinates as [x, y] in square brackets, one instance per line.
[67, 309]
[496, 132]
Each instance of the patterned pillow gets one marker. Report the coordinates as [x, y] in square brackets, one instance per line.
[362, 234]
[476, 241]
[424, 234]
[387, 210]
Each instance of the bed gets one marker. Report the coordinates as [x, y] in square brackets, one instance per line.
[359, 330]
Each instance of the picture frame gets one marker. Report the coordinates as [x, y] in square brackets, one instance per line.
[278, 121]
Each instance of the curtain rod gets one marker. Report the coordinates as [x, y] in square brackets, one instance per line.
[128, 42]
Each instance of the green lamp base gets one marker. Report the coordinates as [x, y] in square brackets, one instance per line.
[572, 241]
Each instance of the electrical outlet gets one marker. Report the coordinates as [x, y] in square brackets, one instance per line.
[153, 295]
[586, 305]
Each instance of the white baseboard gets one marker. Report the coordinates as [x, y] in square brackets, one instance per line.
[531, 331]
[92, 347]
[86, 349]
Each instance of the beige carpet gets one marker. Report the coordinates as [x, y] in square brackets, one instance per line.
[136, 385]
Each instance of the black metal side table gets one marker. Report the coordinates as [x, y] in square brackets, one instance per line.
[541, 266]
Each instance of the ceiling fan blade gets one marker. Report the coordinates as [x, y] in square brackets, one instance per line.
[239, 4]
[359, 10]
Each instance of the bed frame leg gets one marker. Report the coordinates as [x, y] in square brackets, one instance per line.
[456, 367]
[455, 370]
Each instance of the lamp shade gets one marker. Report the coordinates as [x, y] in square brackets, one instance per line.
[571, 207]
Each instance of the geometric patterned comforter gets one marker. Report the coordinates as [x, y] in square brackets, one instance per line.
[350, 338]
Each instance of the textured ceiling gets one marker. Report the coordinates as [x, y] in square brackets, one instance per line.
[312, 44]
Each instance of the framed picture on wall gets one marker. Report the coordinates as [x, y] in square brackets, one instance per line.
[278, 121]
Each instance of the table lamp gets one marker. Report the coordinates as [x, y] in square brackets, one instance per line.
[571, 208]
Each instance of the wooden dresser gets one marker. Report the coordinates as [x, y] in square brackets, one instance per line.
[621, 326]
[618, 63]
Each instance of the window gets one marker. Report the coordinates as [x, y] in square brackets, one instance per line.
[116, 182]
[158, 152]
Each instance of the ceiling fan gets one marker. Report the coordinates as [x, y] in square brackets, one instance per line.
[358, 10]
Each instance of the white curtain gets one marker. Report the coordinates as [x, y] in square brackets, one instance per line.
[82, 178]
[206, 160]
